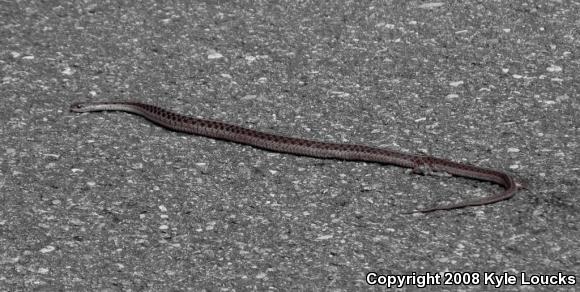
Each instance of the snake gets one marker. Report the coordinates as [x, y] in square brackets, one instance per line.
[419, 163]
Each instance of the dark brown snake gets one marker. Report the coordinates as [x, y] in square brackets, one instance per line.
[305, 147]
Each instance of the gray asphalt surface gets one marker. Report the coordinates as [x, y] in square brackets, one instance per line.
[110, 202]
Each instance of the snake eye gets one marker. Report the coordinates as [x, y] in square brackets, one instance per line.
[75, 107]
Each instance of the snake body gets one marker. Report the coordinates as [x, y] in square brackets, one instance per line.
[305, 147]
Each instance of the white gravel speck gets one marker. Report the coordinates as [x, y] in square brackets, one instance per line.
[554, 68]
[455, 83]
[68, 71]
[324, 237]
[214, 55]
[47, 249]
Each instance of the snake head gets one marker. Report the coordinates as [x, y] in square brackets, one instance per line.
[77, 107]
[83, 107]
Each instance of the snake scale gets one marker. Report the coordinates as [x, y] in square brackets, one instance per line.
[305, 147]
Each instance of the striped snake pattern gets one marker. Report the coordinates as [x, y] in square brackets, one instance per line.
[305, 147]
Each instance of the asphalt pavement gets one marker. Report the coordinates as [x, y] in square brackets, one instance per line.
[110, 202]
